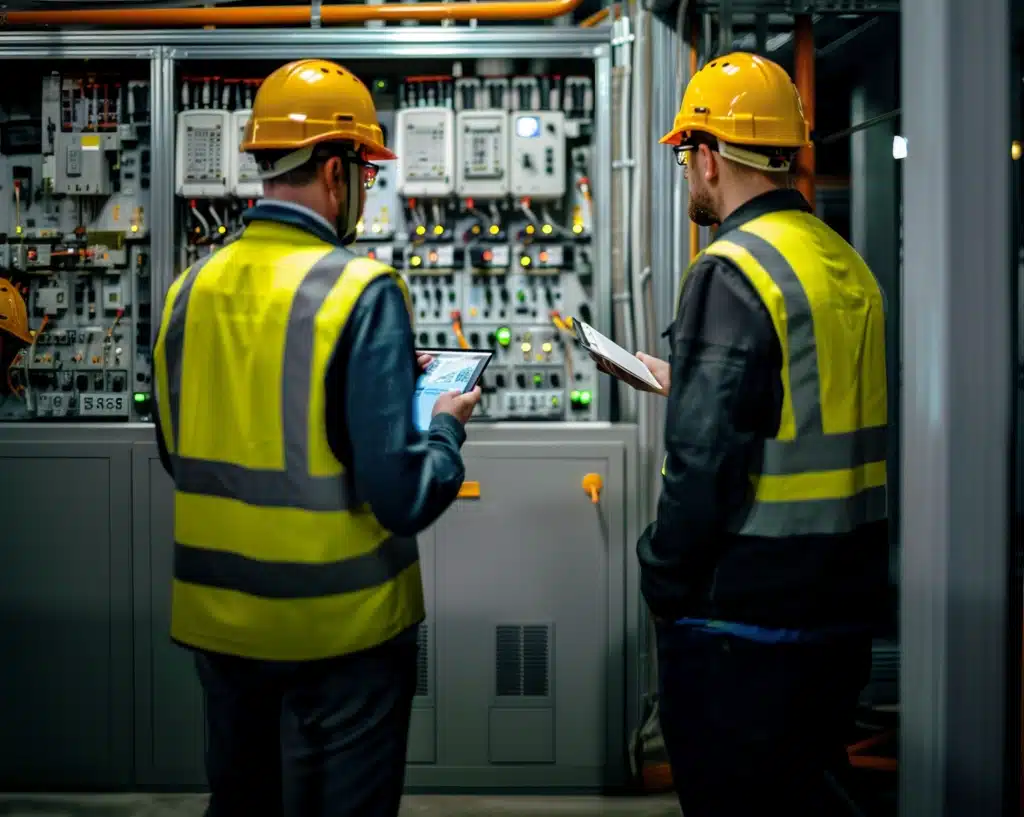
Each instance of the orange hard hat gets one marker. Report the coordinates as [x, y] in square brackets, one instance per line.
[307, 102]
[13, 315]
[742, 99]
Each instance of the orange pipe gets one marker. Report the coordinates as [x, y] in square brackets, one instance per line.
[296, 15]
[599, 17]
[803, 52]
[694, 229]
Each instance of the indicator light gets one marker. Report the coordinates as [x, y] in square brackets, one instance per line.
[526, 348]
[376, 228]
[524, 261]
[504, 335]
[488, 255]
[585, 397]
[546, 347]
[544, 256]
[494, 229]
[221, 229]
[141, 397]
[574, 396]
[554, 401]
[371, 255]
[421, 230]
[475, 229]
[577, 228]
[546, 229]
[415, 261]
[438, 229]
[135, 228]
[521, 296]
[538, 379]
[530, 229]
[432, 255]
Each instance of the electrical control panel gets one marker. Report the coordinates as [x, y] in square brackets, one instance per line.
[425, 141]
[203, 153]
[244, 176]
[483, 154]
[75, 278]
[487, 214]
[538, 154]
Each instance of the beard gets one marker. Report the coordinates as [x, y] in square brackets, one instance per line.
[701, 210]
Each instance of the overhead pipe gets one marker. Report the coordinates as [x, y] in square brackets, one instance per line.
[803, 56]
[238, 16]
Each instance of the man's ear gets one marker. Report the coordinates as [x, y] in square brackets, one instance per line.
[710, 163]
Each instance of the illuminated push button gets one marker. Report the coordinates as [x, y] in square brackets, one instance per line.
[504, 335]
[574, 396]
[585, 398]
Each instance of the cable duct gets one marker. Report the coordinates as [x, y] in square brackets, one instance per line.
[168, 16]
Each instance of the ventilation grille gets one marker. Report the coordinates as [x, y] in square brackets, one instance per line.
[522, 659]
[423, 661]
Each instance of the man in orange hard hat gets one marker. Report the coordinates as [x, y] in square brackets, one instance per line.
[767, 567]
[285, 372]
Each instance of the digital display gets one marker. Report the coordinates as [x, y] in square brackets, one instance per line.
[528, 127]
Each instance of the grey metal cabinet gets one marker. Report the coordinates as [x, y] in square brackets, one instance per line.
[169, 719]
[529, 584]
[65, 593]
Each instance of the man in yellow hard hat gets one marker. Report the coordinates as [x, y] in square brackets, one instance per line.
[285, 372]
[767, 567]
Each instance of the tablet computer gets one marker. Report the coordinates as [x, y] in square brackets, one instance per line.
[450, 370]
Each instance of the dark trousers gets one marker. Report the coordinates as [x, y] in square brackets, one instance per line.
[758, 730]
[309, 739]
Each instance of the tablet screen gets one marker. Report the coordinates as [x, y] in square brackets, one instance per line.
[450, 370]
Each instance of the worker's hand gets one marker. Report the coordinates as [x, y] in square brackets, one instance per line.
[660, 369]
[424, 360]
[457, 404]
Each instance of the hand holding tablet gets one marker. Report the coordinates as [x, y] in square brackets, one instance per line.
[448, 384]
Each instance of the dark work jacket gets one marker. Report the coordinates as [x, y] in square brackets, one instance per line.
[725, 400]
[408, 477]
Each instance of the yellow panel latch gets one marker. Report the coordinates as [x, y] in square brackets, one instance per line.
[592, 485]
[469, 490]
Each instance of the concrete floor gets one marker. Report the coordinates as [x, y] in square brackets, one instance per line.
[192, 805]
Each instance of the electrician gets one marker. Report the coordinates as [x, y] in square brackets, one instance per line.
[767, 568]
[285, 370]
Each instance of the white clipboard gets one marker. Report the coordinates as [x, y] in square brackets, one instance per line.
[618, 362]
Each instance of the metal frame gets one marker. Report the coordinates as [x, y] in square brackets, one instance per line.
[956, 565]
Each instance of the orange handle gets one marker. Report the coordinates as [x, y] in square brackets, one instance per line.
[469, 490]
[592, 485]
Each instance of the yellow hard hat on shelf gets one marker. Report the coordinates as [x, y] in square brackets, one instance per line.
[742, 99]
[307, 102]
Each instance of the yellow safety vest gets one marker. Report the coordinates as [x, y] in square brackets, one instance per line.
[273, 558]
[825, 470]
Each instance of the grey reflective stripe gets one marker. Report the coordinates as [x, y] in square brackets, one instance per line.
[293, 486]
[294, 580]
[819, 516]
[804, 381]
[825, 452]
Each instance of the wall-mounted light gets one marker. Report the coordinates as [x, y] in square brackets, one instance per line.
[899, 147]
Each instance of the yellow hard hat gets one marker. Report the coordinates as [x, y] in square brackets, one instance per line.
[307, 102]
[742, 99]
[13, 315]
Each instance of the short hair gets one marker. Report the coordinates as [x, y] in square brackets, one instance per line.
[305, 173]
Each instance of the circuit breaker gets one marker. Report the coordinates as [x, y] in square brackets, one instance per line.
[382, 210]
[426, 150]
[482, 154]
[82, 164]
[538, 154]
[244, 174]
[203, 157]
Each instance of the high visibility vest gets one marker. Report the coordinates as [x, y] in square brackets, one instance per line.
[274, 558]
[825, 470]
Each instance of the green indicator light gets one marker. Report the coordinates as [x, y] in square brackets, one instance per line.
[585, 398]
[520, 296]
[574, 396]
[538, 379]
[381, 83]
[141, 397]
[554, 402]
[504, 335]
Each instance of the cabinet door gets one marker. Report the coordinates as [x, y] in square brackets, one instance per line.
[528, 577]
[65, 590]
[170, 729]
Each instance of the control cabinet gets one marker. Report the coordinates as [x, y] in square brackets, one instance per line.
[75, 276]
[487, 213]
